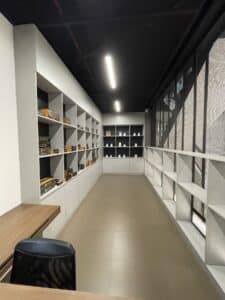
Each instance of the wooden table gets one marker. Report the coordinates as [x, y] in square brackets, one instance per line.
[19, 292]
[24, 221]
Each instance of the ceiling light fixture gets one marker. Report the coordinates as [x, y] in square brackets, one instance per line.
[110, 71]
[117, 106]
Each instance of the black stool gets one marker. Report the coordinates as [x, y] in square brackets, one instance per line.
[45, 263]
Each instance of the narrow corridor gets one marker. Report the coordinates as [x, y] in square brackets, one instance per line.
[127, 245]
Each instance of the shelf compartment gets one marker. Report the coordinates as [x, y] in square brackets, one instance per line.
[183, 204]
[136, 152]
[136, 129]
[81, 140]
[194, 237]
[215, 237]
[122, 141]
[216, 183]
[109, 131]
[69, 112]
[167, 187]
[219, 209]
[70, 166]
[194, 190]
[122, 131]
[81, 160]
[136, 142]
[157, 166]
[171, 175]
[50, 137]
[109, 152]
[109, 141]
[52, 167]
[171, 206]
[70, 138]
[123, 152]
[88, 124]
[49, 99]
[81, 119]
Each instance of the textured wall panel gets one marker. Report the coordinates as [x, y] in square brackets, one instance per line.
[179, 129]
[216, 99]
[188, 121]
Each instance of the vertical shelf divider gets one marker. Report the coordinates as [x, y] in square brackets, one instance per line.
[184, 174]
[215, 238]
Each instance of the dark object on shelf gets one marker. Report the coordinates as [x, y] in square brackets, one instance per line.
[45, 146]
[66, 120]
[69, 148]
[75, 173]
[80, 147]
[48, 151]
[46, 112]
[44, 263]
[46, 184]
[68, 174]
[87, 146]
[58, 181]
[80, 167]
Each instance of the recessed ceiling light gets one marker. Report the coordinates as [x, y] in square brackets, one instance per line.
[117, 106]
[110, 71]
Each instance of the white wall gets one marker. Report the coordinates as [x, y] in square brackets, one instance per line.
[123, 118]
[9, 151]
[51, 66]
[124, 165]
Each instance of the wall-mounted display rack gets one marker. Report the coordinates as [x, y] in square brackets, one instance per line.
[171, 174]
[69, 137]
[123, 141]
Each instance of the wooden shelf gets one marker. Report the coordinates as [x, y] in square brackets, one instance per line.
[18, 292]
[27, 220]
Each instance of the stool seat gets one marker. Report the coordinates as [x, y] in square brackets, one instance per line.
[45, 263]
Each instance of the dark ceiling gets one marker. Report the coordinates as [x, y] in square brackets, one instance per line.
[140, 35]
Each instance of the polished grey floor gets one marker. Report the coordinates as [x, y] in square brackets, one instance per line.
[127, 245]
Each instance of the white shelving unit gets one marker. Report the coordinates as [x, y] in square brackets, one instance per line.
[123, 147]
[123, 141]
[73, 127]
[166, 168]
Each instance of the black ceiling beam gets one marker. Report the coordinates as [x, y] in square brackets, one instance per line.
[74, 40]
[133, 18]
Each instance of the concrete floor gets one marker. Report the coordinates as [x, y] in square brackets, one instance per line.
[127, 245]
